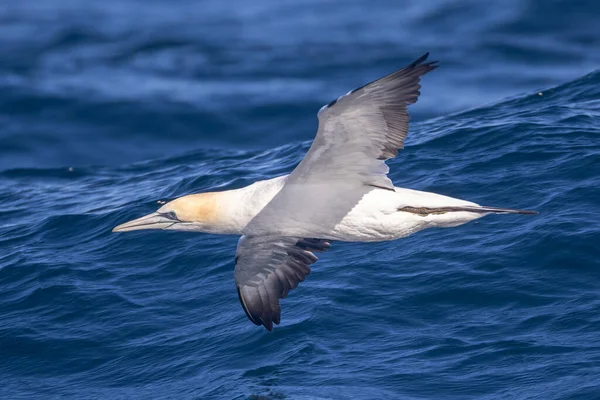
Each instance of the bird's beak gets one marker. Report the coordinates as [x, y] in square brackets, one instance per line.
[150, 221]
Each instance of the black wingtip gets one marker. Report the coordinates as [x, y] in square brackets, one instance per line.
[257, 319]
[430, 64]
[420, 60]
[268, 325]
[250, 317]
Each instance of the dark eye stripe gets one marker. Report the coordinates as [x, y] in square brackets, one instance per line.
[171, 215]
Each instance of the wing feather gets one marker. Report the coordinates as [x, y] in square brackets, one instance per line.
[267, 268]
[357, 133]
[360, 130]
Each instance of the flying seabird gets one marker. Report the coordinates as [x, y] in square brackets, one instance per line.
[339, 191]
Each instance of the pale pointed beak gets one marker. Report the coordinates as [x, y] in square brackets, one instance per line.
[150, 221]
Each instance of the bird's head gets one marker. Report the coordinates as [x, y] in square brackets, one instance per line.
[196, 212]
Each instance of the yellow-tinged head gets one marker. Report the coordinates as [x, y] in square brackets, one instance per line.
[201, 212]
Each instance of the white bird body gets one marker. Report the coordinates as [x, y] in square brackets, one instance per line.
[375, 218]
[378, 216]
[340, 191]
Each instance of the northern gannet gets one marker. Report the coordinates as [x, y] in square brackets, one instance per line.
[339, 191]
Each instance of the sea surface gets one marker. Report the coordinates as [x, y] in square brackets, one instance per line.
[108, 108]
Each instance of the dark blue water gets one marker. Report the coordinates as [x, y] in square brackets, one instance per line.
[108, 107]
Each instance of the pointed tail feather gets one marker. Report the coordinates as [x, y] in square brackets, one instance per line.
[496, 210]
[473, 209]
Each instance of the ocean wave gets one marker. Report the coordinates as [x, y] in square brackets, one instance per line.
[106, 116]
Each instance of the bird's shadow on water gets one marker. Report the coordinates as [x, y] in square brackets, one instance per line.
[268, 396]
[264, 383]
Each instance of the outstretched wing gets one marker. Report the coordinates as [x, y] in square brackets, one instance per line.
[360, 130]
[357, 133]
[267, 268]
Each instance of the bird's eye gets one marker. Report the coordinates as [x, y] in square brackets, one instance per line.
[171, 215]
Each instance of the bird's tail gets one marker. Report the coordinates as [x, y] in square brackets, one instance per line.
[467, 208]
[495, 210]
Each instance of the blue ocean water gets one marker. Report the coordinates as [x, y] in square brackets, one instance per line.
[107, 108]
